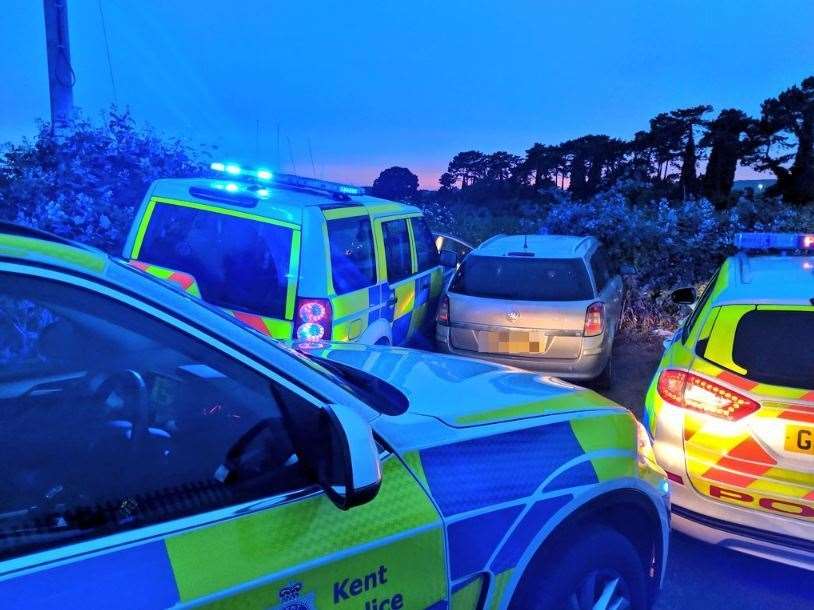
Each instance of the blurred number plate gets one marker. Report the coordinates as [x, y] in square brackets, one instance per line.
[512, 342]
[800, 439]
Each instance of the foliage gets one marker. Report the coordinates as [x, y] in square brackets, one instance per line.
[658, 244]
[85, 181]
[397, 183]
[665, 156]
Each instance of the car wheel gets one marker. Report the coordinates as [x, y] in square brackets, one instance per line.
[601, 570]
[605, 379]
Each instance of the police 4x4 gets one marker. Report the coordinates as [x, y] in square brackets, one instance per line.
[731, 406]
[292, 257]
[158, 454]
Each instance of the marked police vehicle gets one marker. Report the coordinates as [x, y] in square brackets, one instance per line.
[542, 302]
[156, 453]
[293, 257]
[731, 406]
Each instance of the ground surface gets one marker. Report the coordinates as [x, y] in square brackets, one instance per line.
[701, 576]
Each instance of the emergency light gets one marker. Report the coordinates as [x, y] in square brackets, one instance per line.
[774, 241]
[267, 176]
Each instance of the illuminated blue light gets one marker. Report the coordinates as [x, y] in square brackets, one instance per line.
[233, 169]
[262, 193]
[217, 166]
[231, 187]
[310, 331]
[264, 174]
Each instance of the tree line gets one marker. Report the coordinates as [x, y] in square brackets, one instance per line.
[667, 156]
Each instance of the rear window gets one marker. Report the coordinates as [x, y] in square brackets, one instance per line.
[776, 347]
[239, 263]
[523, 279]
[353, 264]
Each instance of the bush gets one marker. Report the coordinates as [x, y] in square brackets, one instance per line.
[85, 182]
[664, 244]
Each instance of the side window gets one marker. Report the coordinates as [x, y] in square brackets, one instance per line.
[426, 252]
[353, 264]
[600, 269]
[397, 250]
[111, 420]
[699, 307]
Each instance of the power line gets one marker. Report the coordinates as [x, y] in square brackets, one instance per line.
[107, 52]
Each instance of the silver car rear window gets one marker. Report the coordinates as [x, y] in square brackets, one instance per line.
[523, 279]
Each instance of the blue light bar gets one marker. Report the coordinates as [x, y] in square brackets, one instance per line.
[267, 176]
[774, 241]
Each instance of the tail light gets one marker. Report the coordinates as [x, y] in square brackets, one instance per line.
[689, 391]
[312, 320]
[594, 320]
[442, 317]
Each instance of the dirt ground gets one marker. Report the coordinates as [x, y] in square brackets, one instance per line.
[636, 360]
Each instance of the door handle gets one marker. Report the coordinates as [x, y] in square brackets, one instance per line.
[392, 300]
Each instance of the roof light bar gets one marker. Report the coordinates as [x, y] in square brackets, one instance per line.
[265, 175]
[774, 241]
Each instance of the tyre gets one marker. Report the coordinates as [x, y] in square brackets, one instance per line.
[600, 570]
[604, 380]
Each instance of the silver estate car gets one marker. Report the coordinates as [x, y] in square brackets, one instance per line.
[541, 302]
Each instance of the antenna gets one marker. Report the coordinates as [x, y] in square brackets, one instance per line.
[525, 242]
[311, 154]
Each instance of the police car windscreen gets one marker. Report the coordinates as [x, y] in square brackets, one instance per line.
[238, 263]
[776, 347]
[523, 279]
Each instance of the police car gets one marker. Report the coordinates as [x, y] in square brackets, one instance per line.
[293, 257]
[731, 406]
[158, 454]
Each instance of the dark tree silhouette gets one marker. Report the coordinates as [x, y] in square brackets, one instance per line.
[397, 183]
[726, 137]
[786, 120]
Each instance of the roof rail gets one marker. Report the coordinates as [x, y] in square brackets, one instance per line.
[12, 228]
[582, 241]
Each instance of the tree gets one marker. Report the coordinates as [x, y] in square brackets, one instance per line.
[468, 167]
[726, 137]
[590, 160]
[397, 183]
[786, 120]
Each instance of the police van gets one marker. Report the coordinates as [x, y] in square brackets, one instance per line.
[158, 454]
[731, 405]
[292, 257]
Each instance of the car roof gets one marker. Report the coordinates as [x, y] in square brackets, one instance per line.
[541, 246]
[767, 279]
[283, 202]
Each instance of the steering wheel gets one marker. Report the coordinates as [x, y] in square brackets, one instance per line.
[134, 409]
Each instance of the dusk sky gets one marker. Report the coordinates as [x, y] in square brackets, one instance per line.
[375, 84]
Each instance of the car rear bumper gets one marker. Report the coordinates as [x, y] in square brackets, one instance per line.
[776, 537]
[585, 366]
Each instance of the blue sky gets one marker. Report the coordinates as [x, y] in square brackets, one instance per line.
[372, 84]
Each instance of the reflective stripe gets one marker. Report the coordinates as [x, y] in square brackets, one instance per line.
[568, 400]
[186, 281]
[23, 247]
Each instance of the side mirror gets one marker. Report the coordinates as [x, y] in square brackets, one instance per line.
[349, 469]
[684, 296]
[448, 259]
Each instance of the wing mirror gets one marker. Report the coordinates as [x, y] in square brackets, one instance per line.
[348, 469]
[684, 296]
[448, 259]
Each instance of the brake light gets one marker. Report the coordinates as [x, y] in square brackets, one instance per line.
[689, 391]
[594, 320]
[442, 317]
[312, 320]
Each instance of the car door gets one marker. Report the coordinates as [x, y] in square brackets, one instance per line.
[148, 464]
[429, 276]
[399, 269]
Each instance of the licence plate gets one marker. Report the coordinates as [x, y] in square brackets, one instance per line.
[512, 342]
[800, 439]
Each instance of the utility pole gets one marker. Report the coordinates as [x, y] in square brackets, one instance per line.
[60, 73]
